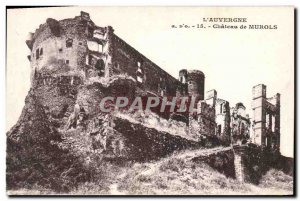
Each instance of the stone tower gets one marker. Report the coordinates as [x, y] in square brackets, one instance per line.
[196, 80]
[73, 47]
[266, 118]
[193, 80]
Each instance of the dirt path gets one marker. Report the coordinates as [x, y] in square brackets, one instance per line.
[186, 155]
[190, 154]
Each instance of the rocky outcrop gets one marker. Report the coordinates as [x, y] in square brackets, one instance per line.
[59, 137]
[33, 157]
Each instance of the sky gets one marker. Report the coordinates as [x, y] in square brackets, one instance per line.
[233, 60]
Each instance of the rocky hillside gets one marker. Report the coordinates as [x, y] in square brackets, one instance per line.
[61, 136]
[33, 157]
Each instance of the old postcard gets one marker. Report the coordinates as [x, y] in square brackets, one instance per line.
[150, 101]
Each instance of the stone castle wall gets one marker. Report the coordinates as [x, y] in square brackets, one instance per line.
[206, 119]
[149, 76]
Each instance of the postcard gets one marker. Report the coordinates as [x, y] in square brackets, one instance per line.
[159, 101]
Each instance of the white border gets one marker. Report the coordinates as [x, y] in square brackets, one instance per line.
[3, 195]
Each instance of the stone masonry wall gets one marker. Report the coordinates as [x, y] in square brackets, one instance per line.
[206, 119]
[154, 79]
[50, 50]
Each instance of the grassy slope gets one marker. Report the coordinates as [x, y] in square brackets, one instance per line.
[178, 175]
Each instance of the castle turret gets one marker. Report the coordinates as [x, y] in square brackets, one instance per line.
[70, 47]
[196, 80]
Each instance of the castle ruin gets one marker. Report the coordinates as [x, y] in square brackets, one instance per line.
[266, 121]
[72, 51]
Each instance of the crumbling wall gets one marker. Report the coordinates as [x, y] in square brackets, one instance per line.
[247, 164]
[240, 125]
[117, 139]
[148, 143]
[240, 130]
[266, 118]
[223, 121]
[206, 119]
[92, 92]
[255, 161]
[222, 161]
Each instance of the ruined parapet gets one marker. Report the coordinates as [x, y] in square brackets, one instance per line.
[266, 119]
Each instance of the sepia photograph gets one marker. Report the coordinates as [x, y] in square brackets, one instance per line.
[150, 101]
